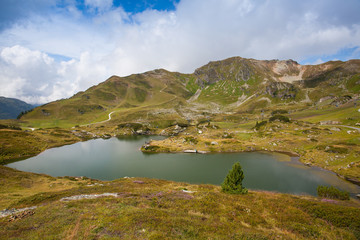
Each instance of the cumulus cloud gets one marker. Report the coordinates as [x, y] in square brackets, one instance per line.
[37, 78]
[111, 41]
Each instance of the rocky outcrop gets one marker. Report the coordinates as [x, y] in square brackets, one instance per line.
[281, 90]
[237, 69]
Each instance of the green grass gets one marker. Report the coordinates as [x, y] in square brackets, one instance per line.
[347, 114]
[192, 86]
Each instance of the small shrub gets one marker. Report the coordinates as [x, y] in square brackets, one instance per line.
[332, 149]
[9, 127]
[258, 125]
[227, 135]
[281, 118]
[332, 192]
[191, 140]
[279, 111]
[233, 181]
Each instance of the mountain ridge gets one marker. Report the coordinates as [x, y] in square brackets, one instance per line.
[10, 108]
[219, 86]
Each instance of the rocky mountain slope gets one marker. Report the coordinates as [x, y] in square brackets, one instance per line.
[231, 85]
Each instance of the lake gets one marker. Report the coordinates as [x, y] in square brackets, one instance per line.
[120, 157]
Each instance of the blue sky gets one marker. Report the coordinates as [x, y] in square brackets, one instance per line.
[51, 49]
[139, 6]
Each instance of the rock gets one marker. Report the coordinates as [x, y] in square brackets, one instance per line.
[335, 129]
[358, 196]
[282, 90]
[325, 98]
[330, 122]
[214, 143]
[200, 132]
[8, 212]
[202, 152]
[250, 148]
[88, 196]
[139, 182]
[190, 151]
[187, 191]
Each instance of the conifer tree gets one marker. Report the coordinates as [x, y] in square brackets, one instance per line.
[233, 181]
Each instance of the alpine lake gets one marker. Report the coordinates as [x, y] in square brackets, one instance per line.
[120, 157]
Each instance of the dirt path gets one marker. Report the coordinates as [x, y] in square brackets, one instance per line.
[100, 121]
[356, 128]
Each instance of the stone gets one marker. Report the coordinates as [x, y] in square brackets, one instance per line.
[190, 151]
[202, 152]
[139, 182]
[330, 123]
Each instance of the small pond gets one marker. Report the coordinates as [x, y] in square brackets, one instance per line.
[119, 157]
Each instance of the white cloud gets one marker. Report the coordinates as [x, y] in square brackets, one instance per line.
[111, 41]
[37, 78]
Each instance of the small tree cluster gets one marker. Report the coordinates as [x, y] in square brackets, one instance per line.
[233, 181]
[23, 113]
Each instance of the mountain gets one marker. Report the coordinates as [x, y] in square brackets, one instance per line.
[10, 108]
[231, 86]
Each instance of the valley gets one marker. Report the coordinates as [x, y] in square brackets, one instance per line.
[234, 105]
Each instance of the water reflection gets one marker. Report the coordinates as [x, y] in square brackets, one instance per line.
[120, 157]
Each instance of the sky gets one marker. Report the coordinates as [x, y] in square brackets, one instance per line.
[52, 49]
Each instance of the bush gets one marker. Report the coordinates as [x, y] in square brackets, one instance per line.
[9, 127]
[191, 140]
[258, 125]
[279, 111]
[332, 192]
[332, 149]
[281, 118]
[233, 181]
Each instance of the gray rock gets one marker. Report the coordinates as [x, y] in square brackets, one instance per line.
[190, 151]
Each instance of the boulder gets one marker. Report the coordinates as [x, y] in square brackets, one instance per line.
[190, 151]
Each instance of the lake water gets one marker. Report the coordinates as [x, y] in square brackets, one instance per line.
[119, 157]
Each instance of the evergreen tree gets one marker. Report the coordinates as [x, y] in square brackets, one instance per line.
[233, 181]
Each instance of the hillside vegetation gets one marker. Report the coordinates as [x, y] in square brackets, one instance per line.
[138, 208]
[233, 105]
[234, 85]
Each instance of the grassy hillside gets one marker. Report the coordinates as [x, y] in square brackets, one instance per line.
[150, 90]
[225, 106]
[231, 85]
[156, 209]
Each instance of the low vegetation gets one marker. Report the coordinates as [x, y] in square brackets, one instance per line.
[156, 209]
[332, 193]
[225, 106]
